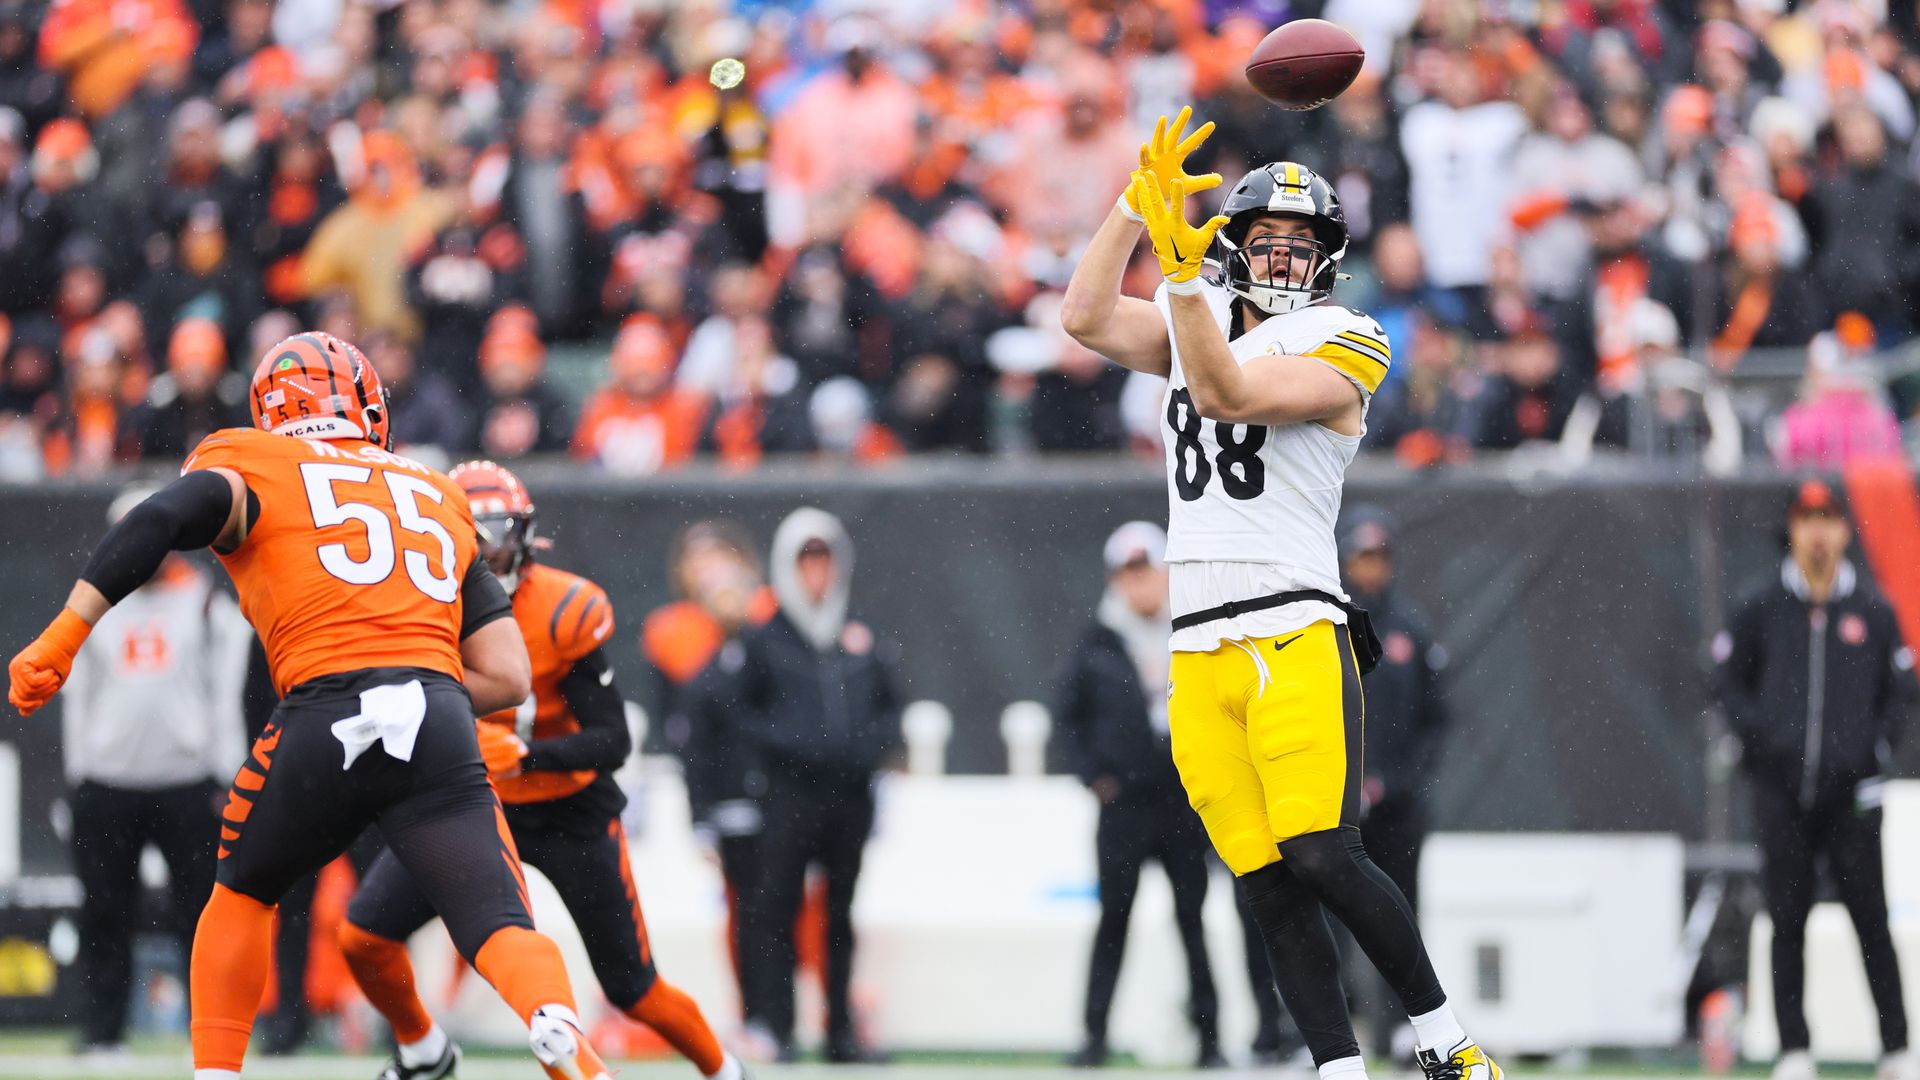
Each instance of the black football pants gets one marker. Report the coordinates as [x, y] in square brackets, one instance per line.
[297, 804]
[1792, 840]
[1132, 831]
[111, 826]
[588, 867]
[813, 816]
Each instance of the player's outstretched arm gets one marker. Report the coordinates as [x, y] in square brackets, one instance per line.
[201, 508]
[1124, 329]
[1127, 329]
[1273, 389]
[1268, 390]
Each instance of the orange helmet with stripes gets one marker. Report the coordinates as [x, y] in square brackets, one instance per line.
[503, 513]
[314, 385]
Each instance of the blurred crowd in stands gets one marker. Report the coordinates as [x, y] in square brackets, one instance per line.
[1589, 222]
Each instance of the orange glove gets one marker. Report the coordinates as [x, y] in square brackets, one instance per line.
[501, 749]
[36, 674]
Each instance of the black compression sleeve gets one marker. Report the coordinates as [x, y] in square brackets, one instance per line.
[602, 743]
[186, 514]
[483, 598]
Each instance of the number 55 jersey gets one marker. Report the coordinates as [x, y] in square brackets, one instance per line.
[1251, 508]
[345, 512]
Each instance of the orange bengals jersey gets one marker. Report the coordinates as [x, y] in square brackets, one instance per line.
[680, 638]
[563, 617]
[356, 557]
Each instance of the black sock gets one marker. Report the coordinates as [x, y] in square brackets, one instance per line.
[1306, 964]
[1335, 866]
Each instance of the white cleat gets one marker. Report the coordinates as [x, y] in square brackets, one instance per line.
[561, 1046]
[1795, 1065]
[1899, 1065]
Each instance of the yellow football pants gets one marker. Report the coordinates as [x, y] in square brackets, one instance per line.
[1267, 738]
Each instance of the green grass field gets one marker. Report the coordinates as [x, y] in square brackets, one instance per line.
[491, 1068]
[45, 1055]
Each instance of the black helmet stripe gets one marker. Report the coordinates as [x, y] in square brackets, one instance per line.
[1281, 187]
[333, 382]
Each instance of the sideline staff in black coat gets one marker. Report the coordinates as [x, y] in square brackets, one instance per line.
[1817, 686]
[1113, 709]
[814, 692]
[1405, 718]
[1405, 712]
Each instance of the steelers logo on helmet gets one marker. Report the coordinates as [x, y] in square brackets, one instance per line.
[1277, 273]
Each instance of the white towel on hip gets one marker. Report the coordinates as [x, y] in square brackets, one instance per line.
[390, 716]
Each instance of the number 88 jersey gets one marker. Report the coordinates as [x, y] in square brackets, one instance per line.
[1249, 493]
[355, 558]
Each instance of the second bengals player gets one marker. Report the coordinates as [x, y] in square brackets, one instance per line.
[551, 760]
[384, 632]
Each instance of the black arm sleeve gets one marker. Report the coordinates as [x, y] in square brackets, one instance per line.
[186, 514]
[485, 600]
[602, 743]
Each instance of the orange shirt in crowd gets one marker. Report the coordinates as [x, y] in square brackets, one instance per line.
[818, 145]
[681, 637]
[105, 47]
[639, 435]
[974, 109]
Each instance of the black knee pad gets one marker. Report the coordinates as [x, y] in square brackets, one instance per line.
[1324, 858]
[1277, 898]
[1266, 880]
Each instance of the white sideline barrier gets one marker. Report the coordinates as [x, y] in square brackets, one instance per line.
[1840, 1011]
[1551, 941]
[977, 908]
[927, 727]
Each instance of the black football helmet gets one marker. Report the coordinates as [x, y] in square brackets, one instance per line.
[1281, 187]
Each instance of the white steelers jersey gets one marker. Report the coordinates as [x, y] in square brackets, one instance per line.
[1252, 508]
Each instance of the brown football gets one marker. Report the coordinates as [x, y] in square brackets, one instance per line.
[1305, 64]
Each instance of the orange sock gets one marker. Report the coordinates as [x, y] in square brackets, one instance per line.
[669, 1011]
[525, 968]
[231, 951]
[385, 974]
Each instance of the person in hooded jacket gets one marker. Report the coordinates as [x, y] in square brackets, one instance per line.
[1111, 708]
[814, 691]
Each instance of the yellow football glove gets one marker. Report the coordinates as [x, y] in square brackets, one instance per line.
[1165, 156]
[1181, 247]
